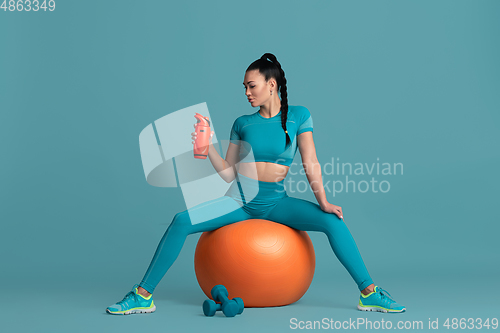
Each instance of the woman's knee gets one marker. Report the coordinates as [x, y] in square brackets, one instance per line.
[181, 221]
[330, 221]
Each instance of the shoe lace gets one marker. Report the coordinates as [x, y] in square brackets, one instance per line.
[131, 294]
[385, 296]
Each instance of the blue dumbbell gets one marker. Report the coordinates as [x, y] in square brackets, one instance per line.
[230, 307]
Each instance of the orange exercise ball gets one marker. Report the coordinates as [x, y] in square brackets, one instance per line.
[263, 262]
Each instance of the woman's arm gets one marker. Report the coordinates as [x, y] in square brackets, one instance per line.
[224, 167]
[313, 172]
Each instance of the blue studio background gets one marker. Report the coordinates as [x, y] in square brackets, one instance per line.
[410, 82]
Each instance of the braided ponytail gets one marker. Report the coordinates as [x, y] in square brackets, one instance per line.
[270, 70]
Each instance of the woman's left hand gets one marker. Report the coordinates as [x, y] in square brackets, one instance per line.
[329, 208]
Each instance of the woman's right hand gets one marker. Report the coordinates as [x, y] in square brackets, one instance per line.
[193, 136]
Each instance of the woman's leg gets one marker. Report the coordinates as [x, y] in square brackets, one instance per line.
[206, 216]
[307, 216]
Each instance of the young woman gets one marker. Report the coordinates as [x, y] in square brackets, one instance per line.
[274, 133]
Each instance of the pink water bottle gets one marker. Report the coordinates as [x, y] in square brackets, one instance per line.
[201, 143]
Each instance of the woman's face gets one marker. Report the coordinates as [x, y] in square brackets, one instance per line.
[257, 90]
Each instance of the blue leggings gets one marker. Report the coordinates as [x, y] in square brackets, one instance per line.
[249, 198]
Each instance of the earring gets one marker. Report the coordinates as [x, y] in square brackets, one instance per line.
[271, 92]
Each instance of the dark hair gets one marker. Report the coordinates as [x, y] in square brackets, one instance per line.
[272, 69]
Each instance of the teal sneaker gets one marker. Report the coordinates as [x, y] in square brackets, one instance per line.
[133, 302]
[379, 301]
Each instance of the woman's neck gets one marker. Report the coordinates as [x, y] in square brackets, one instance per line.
[271, 108]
